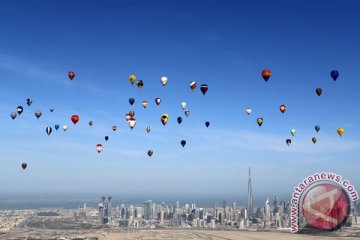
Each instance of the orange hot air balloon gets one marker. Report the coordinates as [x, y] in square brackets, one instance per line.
[71, 75]
[74, 119]
[283, 108]
[266, 73]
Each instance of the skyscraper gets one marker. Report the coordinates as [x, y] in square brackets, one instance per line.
[146, 210]
[250, 197]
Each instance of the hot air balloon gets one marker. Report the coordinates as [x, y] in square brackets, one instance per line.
[148, 129]
[106, 138]
[38, 113]
[204, 88]
[48, 130]
[140, 84]
[99, 148]
[293, 131]
[259, 121]
[340, 131]
[132, 78]
[56, 127]
[150, 153]
[114, 128]
[318, 91]
[248, 111]
[314, 140]
[183, 105]
[157, 101]
[163, 80]
[207, 124]
[65, 128]
[187, 112]
[164, 118]
[183, 143]
[74, 119]
[144, 103]
[91, 123]
[23, 165]
[131, 101]
[193, 85]
[334, 74]
[13, 115]
[266, 73]
[19, 110]
[132, 113]
[127, 117]
[288, 142]
[29, 101]
[317, 128]
[282, 108]
[71, 75]
[132, 123]
[179, 120]
[52, 109]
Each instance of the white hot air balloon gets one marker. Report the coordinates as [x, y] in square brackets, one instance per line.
[183, 105]
[248, 111]
[132, 123]
[65, 128]
[163, 80]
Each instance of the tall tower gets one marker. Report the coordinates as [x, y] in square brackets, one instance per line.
[250, 197]
[109, 208]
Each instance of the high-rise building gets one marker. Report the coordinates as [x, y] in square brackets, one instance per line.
[250, 197]
[147, 210]
[224, 207]
[109, 208]
[101, 209]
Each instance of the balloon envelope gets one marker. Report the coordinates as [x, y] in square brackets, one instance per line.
[132, 123]
[163, 80]
[183, 105]
[164, 118]
[29, 101]
[74, 119]
[183, 143]
[157, 101]
[248, 111]
[132, 78]
[23, 165]
[179, 120]
[288, 142]
[282, 108]
[48, 130]
[131, 101]
[38, 113]
[318, 91]
[106, 138]
[148, 129]
[114, 128]
[19, 109]
[314, 140]
[293, 131]
[266, 73]
[204, 88]
[65, 128]
[334, 74]
[193, 85]
[150, 153]
[99, 148]
[140, 83]
[260, 121]
[317, 128]
[187, 112]
[13, 115]
[207, 124]
[56, 127]
[71, 75]
[144, 103]
[340, 131]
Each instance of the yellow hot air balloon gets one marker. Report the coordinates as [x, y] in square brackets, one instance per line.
[132, 78]
[164, 118]
[340, 131]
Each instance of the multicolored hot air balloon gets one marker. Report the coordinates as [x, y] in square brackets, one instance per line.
[23, 165]
[99, 148]
[164, 118]
[127, 117]
[114, 128]
[132, 113]
[314, 140]
[187, 112]
[183, 143]
[131, 101]
[163, 80]
[179, 120]
[144, 103]
[293, 131]
[132, 78]
[71, 75]
[157, 101]
[29, 101]
[132, 123]
[48, 130]
[38, 113]
[318, 91]
[13, 115]
[334, 74]
[19, 110]
[260, 121]
[266, 73]
[204, 88]
[193, 85]
[340, 131]
[282, 108]
[140, 84]
[150, 152]
[288, 142]
[74, 119]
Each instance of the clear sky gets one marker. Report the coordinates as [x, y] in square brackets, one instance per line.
[225, 44]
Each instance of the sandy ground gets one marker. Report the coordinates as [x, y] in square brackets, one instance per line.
[210, 235]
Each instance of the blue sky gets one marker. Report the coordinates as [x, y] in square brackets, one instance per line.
[225, 44]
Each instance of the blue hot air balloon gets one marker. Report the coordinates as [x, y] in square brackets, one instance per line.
[48, 130]
[57, 127]
[334, 74]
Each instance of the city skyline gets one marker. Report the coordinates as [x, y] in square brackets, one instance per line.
[226, 46]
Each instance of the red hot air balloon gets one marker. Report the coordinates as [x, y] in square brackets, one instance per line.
[282, 108]
[266, 73]
[74, 119]
[99, 148]
[71, 75]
